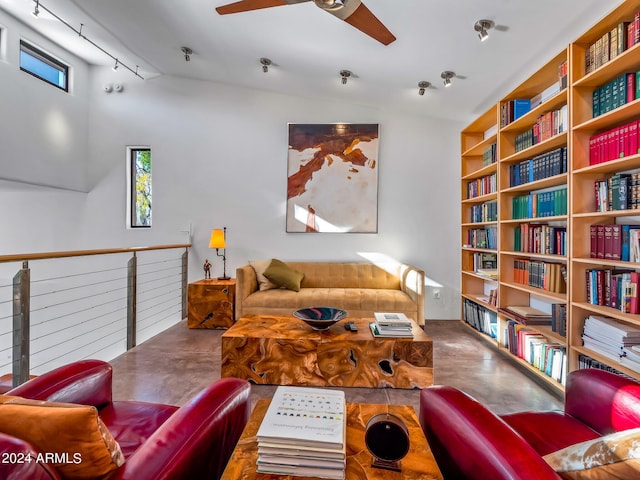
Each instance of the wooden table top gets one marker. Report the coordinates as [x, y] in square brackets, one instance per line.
[418, 464]
[276, 326]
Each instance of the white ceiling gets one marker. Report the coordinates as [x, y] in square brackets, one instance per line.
[309, 47]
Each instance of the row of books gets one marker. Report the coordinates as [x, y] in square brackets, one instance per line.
[543, 239]
[545, 275]
[616, 93]
[483, 238]
[612, 43]
[613, 288]
[615, 242]
[550, 203]
[486, 212]
[513, 109]
[485, 260]
[481, 318]
[547, 125]
[490, 155]
[585, 361]
[620, 191]
[534, 348]
[613, 144]
[542, 166]
[615, 340]
[389, 324]
[303, 433]
[482, 186]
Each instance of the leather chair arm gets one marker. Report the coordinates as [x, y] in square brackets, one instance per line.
[602, 400]
[470, 442]
[87, 382]
[197, 440]
[18, 459]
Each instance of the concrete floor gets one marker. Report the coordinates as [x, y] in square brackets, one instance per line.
[174, 365]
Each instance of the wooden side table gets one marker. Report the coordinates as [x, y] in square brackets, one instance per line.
[211, 303]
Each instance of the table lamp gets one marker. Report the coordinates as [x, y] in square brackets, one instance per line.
[219, 241]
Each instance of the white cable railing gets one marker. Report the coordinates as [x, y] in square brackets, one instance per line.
[60, 307]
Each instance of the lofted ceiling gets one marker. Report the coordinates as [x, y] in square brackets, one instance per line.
[309, 47]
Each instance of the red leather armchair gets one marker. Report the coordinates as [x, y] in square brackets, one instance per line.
[470, 442]
[158, 441]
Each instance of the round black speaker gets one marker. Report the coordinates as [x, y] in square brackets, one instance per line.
[387, 438]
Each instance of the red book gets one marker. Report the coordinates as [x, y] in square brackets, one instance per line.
[599, 241]
[632, 142]
[593, 252]
[592, 150]
[608, 241]
[616, 242]
[631, 87]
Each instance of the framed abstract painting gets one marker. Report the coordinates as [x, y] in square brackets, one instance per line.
[332, 178]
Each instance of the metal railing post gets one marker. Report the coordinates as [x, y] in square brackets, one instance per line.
[185, 280]
[132, 271]
[21, 324]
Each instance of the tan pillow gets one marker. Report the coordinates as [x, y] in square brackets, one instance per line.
[614, 456]
[81, 446]
[283, 275]
[263, 282]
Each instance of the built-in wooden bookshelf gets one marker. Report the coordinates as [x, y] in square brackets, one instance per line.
[570, 222]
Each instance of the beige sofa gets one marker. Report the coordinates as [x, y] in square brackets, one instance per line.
[359, 288]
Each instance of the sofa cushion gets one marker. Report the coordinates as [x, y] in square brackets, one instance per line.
[284, 276]
[534, 427]
[82, 446]
[616, 455]
[259, 266]
[346, 298]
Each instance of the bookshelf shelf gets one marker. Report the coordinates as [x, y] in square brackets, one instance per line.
[556, 141]
[482, 198]
[479, 224]
[608, 312]
[539, 292]
[479, 148]
[625, 62]
[554, 218]
[626, 112]
[553, 181]
[612, 166]
[488, 170]
[525, 122]
[539, 256]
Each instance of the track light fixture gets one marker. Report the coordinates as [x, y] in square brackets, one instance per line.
[345, 74]
[36, 11]
[265, 62]
[482, 27]
[447, 76]
[423, 87]
[187, 53]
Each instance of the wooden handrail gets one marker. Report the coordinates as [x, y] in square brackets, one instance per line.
[83, 253]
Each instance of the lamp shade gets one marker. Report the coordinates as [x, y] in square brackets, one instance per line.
[217, 239]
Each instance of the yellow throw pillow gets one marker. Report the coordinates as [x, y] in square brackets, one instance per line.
[71, 437]
[614, 456]
[259, 266]
[284, 276]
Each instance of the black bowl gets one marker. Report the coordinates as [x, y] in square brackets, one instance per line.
[320, 318]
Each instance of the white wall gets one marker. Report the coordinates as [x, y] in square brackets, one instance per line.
[43, 130]
[219, 159]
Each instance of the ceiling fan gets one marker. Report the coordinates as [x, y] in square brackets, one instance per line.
[354, 12]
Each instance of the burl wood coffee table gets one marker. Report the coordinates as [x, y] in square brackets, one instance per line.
[278, 350]
[418, 464]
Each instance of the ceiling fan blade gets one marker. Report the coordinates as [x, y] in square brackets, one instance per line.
[368, 23]
[247, 5]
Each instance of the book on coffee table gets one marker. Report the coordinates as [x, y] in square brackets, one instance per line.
[303, 433]
[381, 332]
[390, 319]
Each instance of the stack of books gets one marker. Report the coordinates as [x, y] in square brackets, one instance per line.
[303, 433]
[613, 339]
[389, 324]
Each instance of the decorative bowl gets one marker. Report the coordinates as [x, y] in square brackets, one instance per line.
[320, 318]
